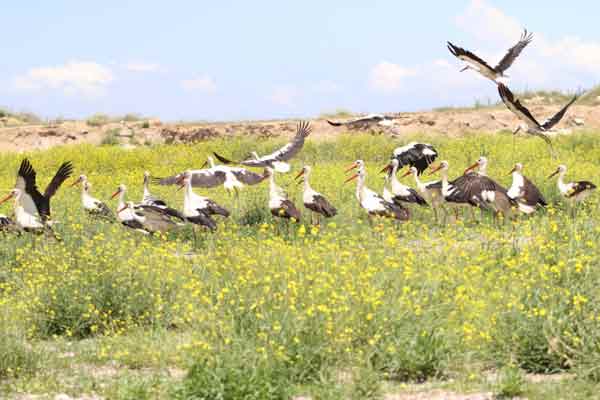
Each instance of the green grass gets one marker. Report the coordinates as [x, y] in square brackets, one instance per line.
[260, 309]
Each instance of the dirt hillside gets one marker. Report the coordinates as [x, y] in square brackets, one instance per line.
[452, 122]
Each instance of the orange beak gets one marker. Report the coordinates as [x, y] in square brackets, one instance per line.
[75, 183]
[301, 173]
[387, 168]
[122, 209]
[406, 174]
[351, 167]
[353, 177]
[436, 169]
[115, 194]
[471, 168]
[6, 198]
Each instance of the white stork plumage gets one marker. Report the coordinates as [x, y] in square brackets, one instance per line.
[92, 205]
[279, 203]
[373, 203]
[486, 192]
[365, 121]
[277, 159]
[574, 192]
[32, 200]
[419, 155]
[531, 125]
[524, 192]
[400, 192]
[313, 200]
[496, 73]
[26, 219]
[146, 219]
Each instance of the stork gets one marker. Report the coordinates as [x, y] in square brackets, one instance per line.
[150, 200]
[91, 205]
[277, 159]
[34, 202]
[485, 191]
[430, 191]
[524, 192]
[530, 124]
[279, 203]
[147, 219]
[364, 122]
[198, 209]
[419, 155]
[496, 73]
[25, 218]
[374, 204]
[400, 192]
[313, 200]
[574, 192]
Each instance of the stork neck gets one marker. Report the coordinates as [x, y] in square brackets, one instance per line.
[483, 169]
[306, 182]
[211, 162]
[121, 199]
[445, 184]
[417, 180]
[393, 177]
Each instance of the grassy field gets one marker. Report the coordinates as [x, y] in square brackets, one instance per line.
[260, 310]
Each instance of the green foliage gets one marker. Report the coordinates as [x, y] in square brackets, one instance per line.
[111, 137]
[510, 382]
[16, 356]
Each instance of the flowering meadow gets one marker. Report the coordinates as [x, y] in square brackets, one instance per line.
[263, 309]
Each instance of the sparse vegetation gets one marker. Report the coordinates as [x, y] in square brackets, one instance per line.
[339, 113]
[111, 137]
[98, 120]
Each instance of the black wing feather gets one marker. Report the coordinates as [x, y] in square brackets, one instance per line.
[514, 52]
[558, 116]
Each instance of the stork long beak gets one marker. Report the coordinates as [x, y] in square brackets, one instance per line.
[436, 169]
[512, 170]
[75, 183]
[204, 165]
[554, 173]
[122, 209]
[387, 168]
[10, 195]
[351, 167]
[115, 194]
[301, 173]
[407, 173]
[471, 168]
[181, 183]
[464, 69]
[353, 177]
[516, 130]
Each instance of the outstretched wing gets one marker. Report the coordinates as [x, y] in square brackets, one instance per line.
[222, 159]
[468, 56]
[248, 177]
[514, 52]
[63, 173]
[26, 180]
[292, 148]
[418, 155]
[549, 123]
[516, 107]
[205, 178]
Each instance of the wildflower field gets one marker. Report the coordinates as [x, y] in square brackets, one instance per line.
[262, 309]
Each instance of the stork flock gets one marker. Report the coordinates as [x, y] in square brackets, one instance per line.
[473, 189]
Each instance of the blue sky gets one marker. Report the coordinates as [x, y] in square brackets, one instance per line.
[270, 59]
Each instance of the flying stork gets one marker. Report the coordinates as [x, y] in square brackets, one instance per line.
[373, 203]
[524, 192]
[91, 205]
[400, 192]
[34, 202]
[574, 192]
[277, 159]
[531, 125]
[419, 155]
[279, 203]
[496, 73]
[313, 200]
[365, 121]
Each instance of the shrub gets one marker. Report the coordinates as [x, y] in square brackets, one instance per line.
[98, 120]
[16, 357]
[111, 137]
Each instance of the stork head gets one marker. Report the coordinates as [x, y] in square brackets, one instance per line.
[481, 163]
[358, 164]
[517, 168]
[411, 170]
[80, 179]
[14, 193]
[121, 189]
[305, 171]
[183, 179]
[442, 167]
[562, 169]
[146, 176]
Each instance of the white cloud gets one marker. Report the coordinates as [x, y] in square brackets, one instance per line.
[284, 95]
[203, 84]
[142, 67]
[388, 77]
[75, 77]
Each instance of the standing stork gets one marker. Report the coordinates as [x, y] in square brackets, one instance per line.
[524, 192]
[485, 191]
[313, 200]
[279, 203]
[32, 200]
[418, 155]
[150, 200]
[574, 192]
[147, 219]
[277, 159]
[400, 192]
[431, 191]
[496, 73]
[373, 203]
[25, 219]
[530, 124]
[91, 205]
